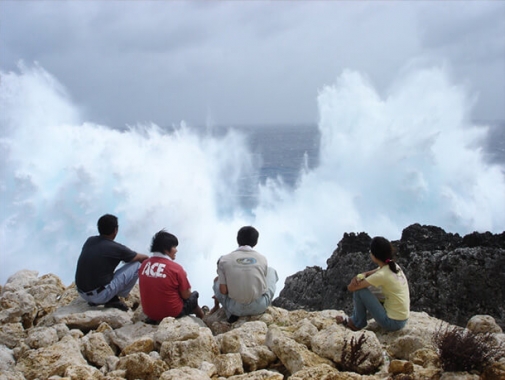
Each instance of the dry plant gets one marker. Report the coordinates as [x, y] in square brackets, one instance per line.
[463, 350]
[350, 360]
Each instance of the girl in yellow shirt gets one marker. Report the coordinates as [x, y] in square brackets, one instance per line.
[389, 277]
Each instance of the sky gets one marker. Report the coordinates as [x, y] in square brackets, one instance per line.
[247, 62]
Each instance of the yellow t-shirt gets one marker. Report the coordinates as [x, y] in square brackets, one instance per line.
[395, 288]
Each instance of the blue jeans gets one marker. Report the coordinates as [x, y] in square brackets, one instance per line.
[364, 300]
[121, 285]
[258, 306]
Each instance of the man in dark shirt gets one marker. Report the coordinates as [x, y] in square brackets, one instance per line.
[96, 279]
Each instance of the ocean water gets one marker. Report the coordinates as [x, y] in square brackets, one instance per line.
[279, 153]
[372, 162]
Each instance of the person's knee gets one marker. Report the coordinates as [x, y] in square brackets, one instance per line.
[129, 271]
[272, 274]
[135, 267]
[361, 293]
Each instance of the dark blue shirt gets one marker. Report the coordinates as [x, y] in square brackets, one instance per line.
[98, 260]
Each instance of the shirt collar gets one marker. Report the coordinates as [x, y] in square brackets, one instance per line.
[245, 248]
[160, 255]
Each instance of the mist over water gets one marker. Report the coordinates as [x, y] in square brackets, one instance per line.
[383, 163]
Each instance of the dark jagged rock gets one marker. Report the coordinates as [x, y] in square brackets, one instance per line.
[486, 239]
[450, 277]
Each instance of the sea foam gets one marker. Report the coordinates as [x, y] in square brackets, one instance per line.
[411, 155]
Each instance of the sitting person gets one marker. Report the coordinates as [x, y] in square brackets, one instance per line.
[245, 284]
[389, 277]
[164, 287]
[96, 279]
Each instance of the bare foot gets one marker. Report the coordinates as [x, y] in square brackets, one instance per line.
[216, 305]
[346, 321]
[198, 312]
[341, 319]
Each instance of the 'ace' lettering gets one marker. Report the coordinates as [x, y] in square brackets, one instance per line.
[154, 270]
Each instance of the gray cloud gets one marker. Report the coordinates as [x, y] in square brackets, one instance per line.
[246, 62]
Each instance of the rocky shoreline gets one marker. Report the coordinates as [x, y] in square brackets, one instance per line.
[48, 332]
[450, 277]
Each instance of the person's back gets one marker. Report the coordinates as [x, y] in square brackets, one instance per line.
[245, 271]
[245, 284]
[96, 279]
[159, 282]
[165, 290]
[99, 256]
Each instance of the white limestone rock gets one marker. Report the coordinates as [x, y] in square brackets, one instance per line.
[79, 372]
[7, 360]
[96, 349]
[249, 340]
[143, 344]
[184, 373]
[331, 342]
[61, 330]
[483, 324]
[68, 296]
[141, 366]
[324, 371]
[46, 297]
[401, 367]
[190, 352]
[304, 332]
[229, 364]
[20, 280]
[78, 314]
[209, 368]
[11, 375]
[110, 364]
[11, 334]
[124, 336]
[18, 306]
[52, 360]
[300, 344]
[177, 329]
[41, 337]
[262, 374]
[416, 335]
[425, 357]
[293, 355]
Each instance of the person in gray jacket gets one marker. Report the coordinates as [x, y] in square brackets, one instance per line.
[245, 284]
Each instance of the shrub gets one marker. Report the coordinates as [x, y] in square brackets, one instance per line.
[350, 360]
[463, 350]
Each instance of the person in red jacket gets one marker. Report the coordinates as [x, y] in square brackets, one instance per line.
[164, 287]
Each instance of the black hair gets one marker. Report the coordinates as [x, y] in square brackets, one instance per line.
[107, 224]
[383, 250]
[247, 236]
[162, 241]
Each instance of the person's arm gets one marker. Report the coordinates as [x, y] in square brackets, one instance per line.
[357, 284]
[223, 288]
[139, 257]
[185, 293]
[370, 272]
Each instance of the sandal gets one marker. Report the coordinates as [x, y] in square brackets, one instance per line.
[346, 321]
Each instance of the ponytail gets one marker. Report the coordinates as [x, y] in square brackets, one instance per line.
[392, 265]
